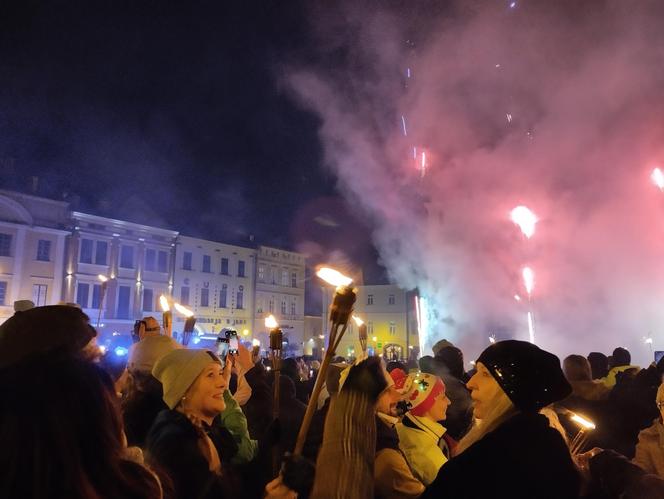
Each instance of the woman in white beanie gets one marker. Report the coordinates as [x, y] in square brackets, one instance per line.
[181, 438]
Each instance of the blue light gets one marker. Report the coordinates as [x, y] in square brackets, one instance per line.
[121, 351]
[196, 340]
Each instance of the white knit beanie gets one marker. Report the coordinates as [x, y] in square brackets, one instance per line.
[178, 370]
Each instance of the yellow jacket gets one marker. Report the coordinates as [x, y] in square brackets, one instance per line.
[421, 441]
[610, 379]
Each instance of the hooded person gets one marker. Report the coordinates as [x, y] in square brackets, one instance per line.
[511, 449]
[421, 436]
[53, 331]
[183, 440]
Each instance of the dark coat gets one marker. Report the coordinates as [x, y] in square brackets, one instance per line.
[172, 444]
[258, 408]
[521, 459]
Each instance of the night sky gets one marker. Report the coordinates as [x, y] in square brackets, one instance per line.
[171, 115]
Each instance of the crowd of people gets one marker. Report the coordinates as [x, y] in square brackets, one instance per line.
[182, 422]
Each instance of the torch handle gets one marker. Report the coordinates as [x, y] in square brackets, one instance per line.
[318, 386]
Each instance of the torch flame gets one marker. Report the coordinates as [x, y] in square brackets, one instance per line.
[163, 302]
[528, 280]
[357, 320]
[102, 278]
[271, 322]
[255, 342]
[583, 422]
[525, 219]
[333, 277]
[183, 310]
[657, 178]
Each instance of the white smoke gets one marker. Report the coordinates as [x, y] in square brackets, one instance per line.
[555, 105]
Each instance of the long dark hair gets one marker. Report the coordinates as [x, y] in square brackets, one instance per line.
[61, 434]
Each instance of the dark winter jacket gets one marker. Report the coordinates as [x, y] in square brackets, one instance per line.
[258, 408]
[173, 445]
[521, 459]
[291, 414]
[614, 477]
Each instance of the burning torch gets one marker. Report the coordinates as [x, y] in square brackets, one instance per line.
[189, 322]
[102, 295]
[276, 345]
[255, 349]
[166, 316]
[340, 311]
[361, 333]
[580, 439]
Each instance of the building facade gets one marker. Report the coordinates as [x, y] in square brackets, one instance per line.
[33, 231]
[280, 291]
[386, 311]
[137, 259]
[216, 281]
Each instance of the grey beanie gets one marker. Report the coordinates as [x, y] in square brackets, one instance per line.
[178, 370]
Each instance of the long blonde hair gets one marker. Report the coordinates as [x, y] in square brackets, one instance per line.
[501, 410]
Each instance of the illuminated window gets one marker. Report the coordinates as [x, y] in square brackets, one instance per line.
[261, 273]
[39, 294]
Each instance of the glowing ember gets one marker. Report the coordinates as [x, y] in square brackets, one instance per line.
[163, 302]
[333, 277]
[183, 310]
[657, 178]
[586, 424]
[525, 219]
[271, 322]
[528, 279]
[357, 320]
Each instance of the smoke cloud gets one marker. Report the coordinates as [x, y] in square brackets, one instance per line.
[554, 105]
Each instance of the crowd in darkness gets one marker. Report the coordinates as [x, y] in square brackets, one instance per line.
[181, 422]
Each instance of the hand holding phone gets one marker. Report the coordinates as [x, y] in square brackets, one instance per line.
[233, 342]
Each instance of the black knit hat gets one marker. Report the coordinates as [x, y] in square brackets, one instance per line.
[531, 377]
[46, 330]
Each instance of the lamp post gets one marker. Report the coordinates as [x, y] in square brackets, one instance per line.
[340, 311]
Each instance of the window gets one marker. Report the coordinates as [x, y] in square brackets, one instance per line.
[5, 245]
[43, 251]
[224, 266]
[148, 299]
[240, 268]
[292, 307]
[284, 278]
[102, 251]
[271, 305]
[186, 260]
[82, 292]
[205, 297]
[370, 328]
[273, 275]
[369, 299]
[150, 260]
[206, 263]
[3, 292]
[127, 257]
[162, 261]
[39, 294]
[293, 279]
[86, 251]
[223, 294]
[261, 273]
[184, 295]
[259, 306]
[283, 307]
[96, 296]
[390, 300]
[393, 328]
[240, 298]
[124, 292]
